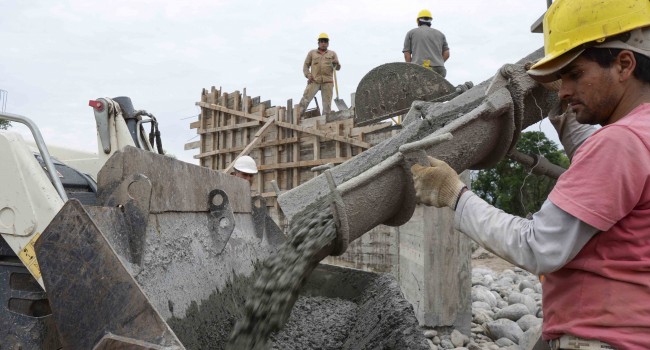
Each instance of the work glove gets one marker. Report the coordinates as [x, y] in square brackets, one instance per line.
[571, 133]
[437, 185]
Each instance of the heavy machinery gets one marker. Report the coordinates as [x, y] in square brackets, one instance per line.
[142, 251]
[121, 257]
[159, 254]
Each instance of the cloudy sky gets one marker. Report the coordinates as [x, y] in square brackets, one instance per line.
[57, 55]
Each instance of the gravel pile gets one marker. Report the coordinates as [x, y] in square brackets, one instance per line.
[506, 313]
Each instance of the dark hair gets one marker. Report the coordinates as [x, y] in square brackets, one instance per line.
[423, 22]
[605, 58]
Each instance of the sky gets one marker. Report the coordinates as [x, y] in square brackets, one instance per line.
[55, 56]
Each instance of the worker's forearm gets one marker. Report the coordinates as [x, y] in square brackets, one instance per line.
[407, 57]
[541, 245]
[445, 55]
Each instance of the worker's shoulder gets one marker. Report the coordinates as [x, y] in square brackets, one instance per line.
[425, 32]
[435, 31]
[635, 124]
[413, 30]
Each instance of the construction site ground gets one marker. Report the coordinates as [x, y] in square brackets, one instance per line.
[481, 257]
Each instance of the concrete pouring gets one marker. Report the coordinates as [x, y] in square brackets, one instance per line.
[338, 308]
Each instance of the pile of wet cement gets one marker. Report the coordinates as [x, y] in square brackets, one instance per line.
[378, 318]
[316, 323]
[383, 318]
[269, 305]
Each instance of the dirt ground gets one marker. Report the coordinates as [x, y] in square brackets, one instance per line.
[482, 257]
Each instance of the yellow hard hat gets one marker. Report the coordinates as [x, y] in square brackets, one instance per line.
[569, 24]
[323, 36]
[425, 13]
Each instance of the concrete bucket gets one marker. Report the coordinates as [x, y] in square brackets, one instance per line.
[474, 130]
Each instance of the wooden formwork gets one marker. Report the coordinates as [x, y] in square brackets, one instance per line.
[285, 146]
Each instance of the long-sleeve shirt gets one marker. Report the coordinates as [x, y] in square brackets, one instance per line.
[319, 65]
[590, 238]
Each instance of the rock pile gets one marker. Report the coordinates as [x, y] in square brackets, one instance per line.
[506, 313]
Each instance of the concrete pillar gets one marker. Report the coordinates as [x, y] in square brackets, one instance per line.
[434, 269]
[447, 273]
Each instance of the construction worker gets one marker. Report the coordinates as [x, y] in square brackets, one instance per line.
[591, 238]
[426, 46]
[245, 168]
[319, 70]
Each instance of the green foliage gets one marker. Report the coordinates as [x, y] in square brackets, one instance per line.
[510, 187]
[4, 124]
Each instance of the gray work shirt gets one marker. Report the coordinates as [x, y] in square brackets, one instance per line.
[426, 43]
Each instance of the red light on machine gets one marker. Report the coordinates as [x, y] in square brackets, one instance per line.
[98, 105]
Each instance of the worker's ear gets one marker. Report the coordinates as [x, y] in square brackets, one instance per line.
[625, 64]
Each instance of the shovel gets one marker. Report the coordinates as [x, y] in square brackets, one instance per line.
[340, 104]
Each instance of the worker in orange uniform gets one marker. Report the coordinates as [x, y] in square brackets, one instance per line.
[244, 168]
[591, 238]
[426, 46]
[319, 70]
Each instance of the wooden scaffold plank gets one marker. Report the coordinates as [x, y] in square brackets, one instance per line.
[314, 132]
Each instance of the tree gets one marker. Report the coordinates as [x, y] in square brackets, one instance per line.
[511, 187]
[4, 124]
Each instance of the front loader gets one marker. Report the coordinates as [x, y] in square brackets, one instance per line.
[111, 263]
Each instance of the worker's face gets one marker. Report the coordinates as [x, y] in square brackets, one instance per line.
[591, 91]
[323, 44]
[245, 176]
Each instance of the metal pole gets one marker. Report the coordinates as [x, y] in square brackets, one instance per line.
[42, 148]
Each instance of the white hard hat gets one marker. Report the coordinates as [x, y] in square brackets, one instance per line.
[245, 164]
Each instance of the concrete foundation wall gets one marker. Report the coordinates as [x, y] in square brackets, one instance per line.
[411, 269]
[375, 251]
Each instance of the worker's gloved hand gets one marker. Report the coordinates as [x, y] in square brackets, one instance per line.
[437, 185]
[571, 133]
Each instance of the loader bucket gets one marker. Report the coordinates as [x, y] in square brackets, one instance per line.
[91, 292]
[163, 263]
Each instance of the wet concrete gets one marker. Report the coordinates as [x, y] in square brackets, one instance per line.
[316, 323]
[208, 325]
[276, 289]
[338, 308]
[357, 310]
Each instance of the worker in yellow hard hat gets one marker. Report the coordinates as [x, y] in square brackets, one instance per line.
[591, 238]
[426, 46]
[319, 70]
